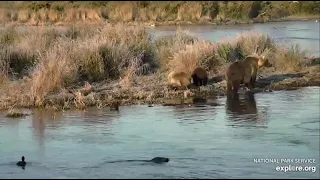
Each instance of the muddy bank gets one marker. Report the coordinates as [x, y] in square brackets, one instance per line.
[152, 90]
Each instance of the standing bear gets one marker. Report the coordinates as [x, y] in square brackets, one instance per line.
[179, 80]
[244, 72]
[200, 76]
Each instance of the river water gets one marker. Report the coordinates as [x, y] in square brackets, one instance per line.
[241, 138]
[304, 33]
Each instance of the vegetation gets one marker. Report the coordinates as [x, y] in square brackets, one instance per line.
[14, 113]
[161, 12]
[47, 66]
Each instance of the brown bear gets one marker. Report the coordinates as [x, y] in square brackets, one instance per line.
[244, 72]
[179, 80]
[199, 76]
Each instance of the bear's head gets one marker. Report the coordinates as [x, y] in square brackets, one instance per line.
[264, 62]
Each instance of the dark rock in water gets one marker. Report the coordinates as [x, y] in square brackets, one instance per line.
[160, 160]
[169, 104]
[200, 106]
[21, 163]
[214, 104]
[115, 106]
[197, 100]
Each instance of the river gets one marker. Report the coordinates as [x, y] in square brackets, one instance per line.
[304, 33]
[244, 138]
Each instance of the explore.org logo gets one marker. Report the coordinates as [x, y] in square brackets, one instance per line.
[290, 167]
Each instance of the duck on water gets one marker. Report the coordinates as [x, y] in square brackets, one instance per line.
[22, 162]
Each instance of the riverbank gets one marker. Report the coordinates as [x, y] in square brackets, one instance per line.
[152, 90]
[315, 18]
[83, 67]
[103, 95]
[153, 13]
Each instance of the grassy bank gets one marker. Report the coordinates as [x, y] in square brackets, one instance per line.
[46, 66]
[157, 12]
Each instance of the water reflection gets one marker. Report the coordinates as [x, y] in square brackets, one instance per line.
[12, 121]
[42, 119]
[199, 100]
[244, 110]
[200, 111]
[242, 107]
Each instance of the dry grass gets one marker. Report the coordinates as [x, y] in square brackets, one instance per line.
[254, 43]
[14, 94]
[200, 53]
[190, 11]
[23, 16]
[108, 53]
[290, 60]
[168, 45]
[52, 15]
[134, 69]
[123, 12]
[3, 15]
[8, 36]
[164, 11]
[40, 63]
[79, 101]
[53, 61]
[54, 69]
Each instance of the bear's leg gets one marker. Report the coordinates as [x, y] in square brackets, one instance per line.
[205, 81]
[195, 80]
[252, 82]
[248, 86]
[246, 81]
[229, 88]
[236, 86]
[200, 82]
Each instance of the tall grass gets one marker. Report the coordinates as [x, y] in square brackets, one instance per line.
[51, 73]
[290, 59]
[36, 63]
[37, 12]
[199, 53]
[55, 59]
[166, 46]
[190, 11]
[254, 43]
